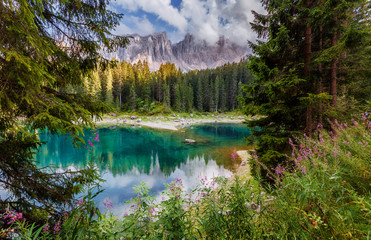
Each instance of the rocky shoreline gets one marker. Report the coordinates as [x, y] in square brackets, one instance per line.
[173, 122]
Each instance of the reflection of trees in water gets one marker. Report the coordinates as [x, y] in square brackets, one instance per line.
[124, 150]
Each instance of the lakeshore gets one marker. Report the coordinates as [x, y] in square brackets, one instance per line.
[171, 122]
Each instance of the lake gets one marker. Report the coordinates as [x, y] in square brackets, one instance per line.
[129, 155]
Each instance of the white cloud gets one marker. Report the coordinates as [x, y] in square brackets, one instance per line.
[205, 19]
[162, 8]
[141, 26]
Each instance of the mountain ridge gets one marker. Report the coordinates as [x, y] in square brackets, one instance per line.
[188, 54]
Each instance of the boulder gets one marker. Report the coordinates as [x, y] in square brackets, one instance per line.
[133, 117]
[190, 141]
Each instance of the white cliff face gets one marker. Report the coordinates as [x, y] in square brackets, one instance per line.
[187, 55]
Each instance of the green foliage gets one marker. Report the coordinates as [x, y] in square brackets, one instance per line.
[48, 48]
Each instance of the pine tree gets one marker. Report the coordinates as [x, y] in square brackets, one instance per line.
[200, 96]
[107, 86]
[133, 97]
[44, 47]
[117, 86]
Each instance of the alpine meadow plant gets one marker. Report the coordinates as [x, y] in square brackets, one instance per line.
[324, 191]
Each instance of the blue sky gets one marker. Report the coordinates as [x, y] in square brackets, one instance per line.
[205, 19]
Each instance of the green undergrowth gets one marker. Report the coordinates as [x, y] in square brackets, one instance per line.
[321, 192]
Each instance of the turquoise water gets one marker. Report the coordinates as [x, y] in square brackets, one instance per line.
[128, 156]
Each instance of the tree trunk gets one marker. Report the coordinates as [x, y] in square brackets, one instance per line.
[320, 87]
[308, 55]
[334, 70]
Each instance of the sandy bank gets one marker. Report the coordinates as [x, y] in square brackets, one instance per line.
[244, 171]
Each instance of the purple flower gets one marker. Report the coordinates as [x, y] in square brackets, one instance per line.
[80, 202]
[108, 203]
[46, 228]
[57, 227]
[97, 137]
[234, 155]
[13, 216]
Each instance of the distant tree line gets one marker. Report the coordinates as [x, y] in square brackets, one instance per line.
[133, 87]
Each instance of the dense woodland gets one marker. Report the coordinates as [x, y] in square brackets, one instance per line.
[312, 68]
[132, 87]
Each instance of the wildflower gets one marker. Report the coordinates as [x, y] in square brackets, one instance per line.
[80, 202]
[321, 138]
[46, 228]
[13, 216]
[97, 137]
[303, 171]
[336, 122]
[57, 227]
[126, 214]
[234, 155]
[108, 203]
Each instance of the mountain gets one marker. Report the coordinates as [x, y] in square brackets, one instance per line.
[189, 54]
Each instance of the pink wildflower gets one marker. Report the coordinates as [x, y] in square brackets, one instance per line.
[46, 228]
[97, 137]
[57, 227]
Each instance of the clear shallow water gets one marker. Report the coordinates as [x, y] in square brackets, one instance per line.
[128, 156]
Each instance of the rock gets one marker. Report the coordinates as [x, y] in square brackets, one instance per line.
[191, 115]
[176, 120]
[188, 54]
[133, 117]
[124, 120]
[139, 120]
[243, 163]
[240, 117]
[190, 141]
[213, 115]
[174, 115]
[232, 118]
[182, 131]
[112, 114]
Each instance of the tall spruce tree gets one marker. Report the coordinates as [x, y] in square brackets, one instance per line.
[303, 39]
[44, 47]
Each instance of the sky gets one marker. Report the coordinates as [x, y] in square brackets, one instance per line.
[205, 19]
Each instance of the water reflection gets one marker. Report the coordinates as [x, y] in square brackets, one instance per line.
[128, 156]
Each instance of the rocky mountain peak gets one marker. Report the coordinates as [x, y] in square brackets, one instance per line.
[188, 54]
